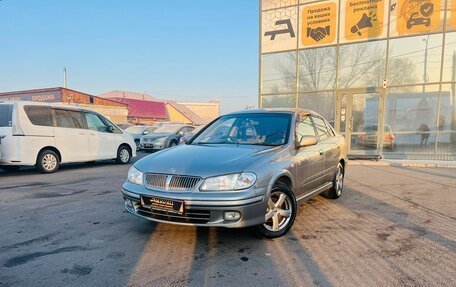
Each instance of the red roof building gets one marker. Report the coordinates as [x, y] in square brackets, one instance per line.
[144, 112]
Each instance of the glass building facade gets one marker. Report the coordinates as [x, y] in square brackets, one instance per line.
[383, 72]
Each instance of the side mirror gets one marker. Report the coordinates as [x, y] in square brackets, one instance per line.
[307, 141]
[110, 129]
[145, 133]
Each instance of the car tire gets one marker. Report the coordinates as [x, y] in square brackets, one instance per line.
[48, 161]
[172, 143]
[282, 216]
[123, 155]
[338, 184]
[10, 168]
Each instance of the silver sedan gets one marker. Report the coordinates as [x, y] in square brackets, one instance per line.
[250, 168]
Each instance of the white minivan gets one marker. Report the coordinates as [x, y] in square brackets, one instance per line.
[46, 135]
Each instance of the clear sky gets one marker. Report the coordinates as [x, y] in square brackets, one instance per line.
[193, 50]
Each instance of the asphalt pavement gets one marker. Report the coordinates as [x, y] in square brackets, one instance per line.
[393, 226]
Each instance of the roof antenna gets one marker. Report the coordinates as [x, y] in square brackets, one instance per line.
[64, 78]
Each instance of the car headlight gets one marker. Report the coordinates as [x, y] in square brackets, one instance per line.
[160, 140]
[135, 176]
[235, 181]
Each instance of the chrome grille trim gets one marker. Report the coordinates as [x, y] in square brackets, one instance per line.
[165, 182]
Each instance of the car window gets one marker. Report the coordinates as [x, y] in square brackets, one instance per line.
[322, 130]
[6, 115]
[149, 129]
[269, 129]
[95, 123]
[68, 119]
[39, 115]
[115, 129]
[304, 127]
[331, 132]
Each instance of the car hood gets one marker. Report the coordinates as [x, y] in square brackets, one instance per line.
[203, 160]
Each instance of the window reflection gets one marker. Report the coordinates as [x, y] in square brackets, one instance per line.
[415, 60]
[362, 65]
[279, 101]
[411, 110]
[278, 73]
[317, 69]
[449, 63]
[320, 102]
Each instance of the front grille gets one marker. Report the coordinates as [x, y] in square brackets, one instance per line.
[190, 216]
[165, 182]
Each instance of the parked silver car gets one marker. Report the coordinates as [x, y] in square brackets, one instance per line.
[138, 131]
[164, 137]
[249, 168]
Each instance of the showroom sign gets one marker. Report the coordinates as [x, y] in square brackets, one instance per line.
[417, 16]
[364, 19]
[278, 30]
[318, 24]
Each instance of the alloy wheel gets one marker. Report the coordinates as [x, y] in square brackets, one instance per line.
[49, 162]
[124, 155]
[339, 180]
[279, 211]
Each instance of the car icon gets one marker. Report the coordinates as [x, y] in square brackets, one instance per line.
[416, 20]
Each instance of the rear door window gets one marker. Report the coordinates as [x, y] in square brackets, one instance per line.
[322, 130]
[304, 127]
[39, 115]
[6, 115]
[69, 119]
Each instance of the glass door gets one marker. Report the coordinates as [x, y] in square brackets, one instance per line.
[357, 118]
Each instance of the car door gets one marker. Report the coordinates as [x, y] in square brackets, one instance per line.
[103, 143]
[71, 137]
[309, 160]
[329, 146]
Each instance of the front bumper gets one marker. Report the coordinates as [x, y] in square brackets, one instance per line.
[199, 211]
[151, 146]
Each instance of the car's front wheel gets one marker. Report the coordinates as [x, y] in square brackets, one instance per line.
[280, 212]
[123, 155]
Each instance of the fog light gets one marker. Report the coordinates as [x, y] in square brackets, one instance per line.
[128, 203]
[231, 215]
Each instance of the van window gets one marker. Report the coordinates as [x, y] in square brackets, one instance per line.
[69, 119]
[6, 115]
[95, 123]
[39, 115]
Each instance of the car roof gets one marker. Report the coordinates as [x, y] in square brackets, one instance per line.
[49, 104]
[276, 110]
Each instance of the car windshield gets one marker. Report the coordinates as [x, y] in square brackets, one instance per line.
[135, 130]
[168, 129]
[247, 129]
[6, 112]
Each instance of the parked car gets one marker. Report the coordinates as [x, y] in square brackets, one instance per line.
[164, 137]
[46, 135]
[186, 137]
[249, 168]
[369, 140]
[138, 131]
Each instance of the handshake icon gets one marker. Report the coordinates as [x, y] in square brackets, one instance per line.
[318, 33]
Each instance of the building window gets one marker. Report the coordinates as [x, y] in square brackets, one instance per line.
[279, 101]
[317, 69]
[362, 65]
[415, 60]
[278, 73]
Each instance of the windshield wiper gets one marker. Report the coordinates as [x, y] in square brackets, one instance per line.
[232, 139]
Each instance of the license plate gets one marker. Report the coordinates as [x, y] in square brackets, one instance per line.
[148, 145]
[163, 204]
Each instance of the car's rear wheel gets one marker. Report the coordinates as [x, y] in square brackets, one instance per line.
[123, 155]
[280, 212]
[338, 183]
[10, 168]
[48, 161]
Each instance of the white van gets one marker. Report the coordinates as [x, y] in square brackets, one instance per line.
[46, 135]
